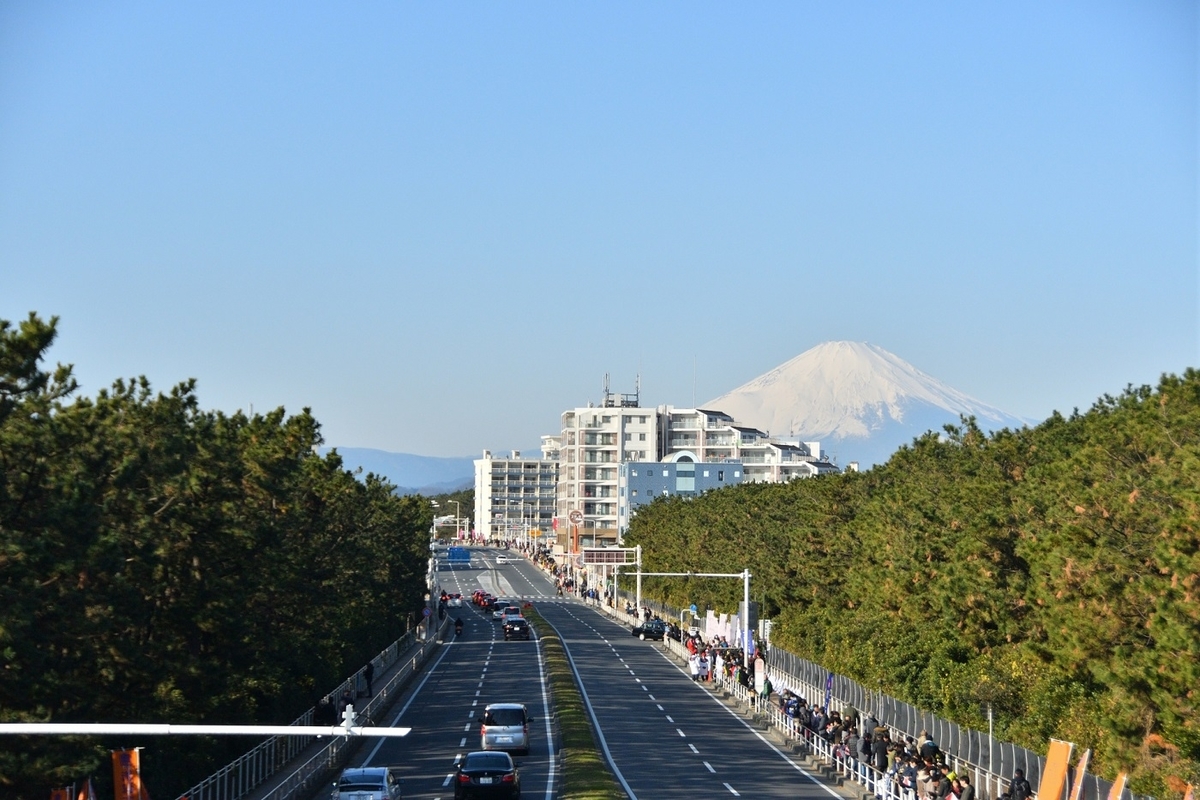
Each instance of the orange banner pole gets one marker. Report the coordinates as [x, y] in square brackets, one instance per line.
[127, 775]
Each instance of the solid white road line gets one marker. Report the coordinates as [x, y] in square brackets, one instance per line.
[428, 672]
[546, 717]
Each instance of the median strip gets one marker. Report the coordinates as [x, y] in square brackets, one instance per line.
[585, 775]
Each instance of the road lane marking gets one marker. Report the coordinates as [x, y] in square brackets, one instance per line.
[710, 768]
[660, 708]
[694, 750]
[449, 778]
[681, 733]
[731, 789]
[760, 737]
[463, 743]
[668, 717]
[428, 672]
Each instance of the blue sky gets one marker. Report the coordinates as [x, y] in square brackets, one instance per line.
[439, 225]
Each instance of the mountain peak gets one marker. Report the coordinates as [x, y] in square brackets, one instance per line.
[848, 391]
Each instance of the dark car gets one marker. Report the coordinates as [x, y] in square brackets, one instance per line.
[487, 773]
[651, 629]
[516, 628]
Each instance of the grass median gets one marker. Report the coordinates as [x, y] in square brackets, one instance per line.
[585, 773]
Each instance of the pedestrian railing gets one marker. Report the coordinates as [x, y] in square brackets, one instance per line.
[249, 772]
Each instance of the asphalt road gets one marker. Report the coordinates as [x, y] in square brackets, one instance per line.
[444, 704]
[669, 737]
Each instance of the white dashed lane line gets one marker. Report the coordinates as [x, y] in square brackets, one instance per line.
[732, 791]
[710, 768]
[694, 750]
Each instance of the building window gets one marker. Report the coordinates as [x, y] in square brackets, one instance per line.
[706, 473]
[737, 473]
[641, 437]
[634, 492]
[633, 473]
[720, 474]
[629, 437]
[642, 419]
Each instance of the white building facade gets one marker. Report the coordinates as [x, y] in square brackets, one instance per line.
[596, 441]
[515, 496]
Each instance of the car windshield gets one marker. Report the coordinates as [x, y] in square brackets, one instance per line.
[504, 716]
[487, 761]
[516, 612]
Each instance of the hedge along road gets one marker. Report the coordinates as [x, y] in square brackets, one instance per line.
[667, 736]
[444, 704]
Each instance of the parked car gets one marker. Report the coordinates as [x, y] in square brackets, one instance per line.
[487, 774]
[651, 629]
[367, 783]
[516, 628]
[505, 726]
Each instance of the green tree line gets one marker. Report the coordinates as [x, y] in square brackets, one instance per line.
[163, 563]
[1051, 572]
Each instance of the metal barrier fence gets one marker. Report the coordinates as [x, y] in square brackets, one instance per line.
[250, 771]
[967, 751]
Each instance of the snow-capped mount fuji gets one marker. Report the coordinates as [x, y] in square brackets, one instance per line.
[860, 401]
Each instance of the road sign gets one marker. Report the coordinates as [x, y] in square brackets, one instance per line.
[576, 517]
[425, 612]
[609, 555]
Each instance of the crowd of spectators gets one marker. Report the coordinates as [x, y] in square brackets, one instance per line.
[893, 765]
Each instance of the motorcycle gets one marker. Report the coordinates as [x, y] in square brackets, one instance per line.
[458, 626]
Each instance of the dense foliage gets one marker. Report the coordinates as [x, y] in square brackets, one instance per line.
[1051, 572]
[161, 563]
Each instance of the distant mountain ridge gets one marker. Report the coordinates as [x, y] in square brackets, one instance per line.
[412, 474]
[859, 400]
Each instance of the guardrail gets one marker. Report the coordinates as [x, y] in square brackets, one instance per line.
[267, 760]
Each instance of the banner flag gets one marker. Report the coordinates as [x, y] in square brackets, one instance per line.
[127, 775]
[62, 794]
[87, 791]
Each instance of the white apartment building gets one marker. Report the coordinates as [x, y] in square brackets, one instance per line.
[593, 442]
[514, 495]
[596, 440]
[714, 436]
